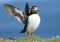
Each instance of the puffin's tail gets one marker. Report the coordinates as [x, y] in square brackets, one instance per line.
[23, 31]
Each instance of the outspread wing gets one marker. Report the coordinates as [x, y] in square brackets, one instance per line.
[16, 12]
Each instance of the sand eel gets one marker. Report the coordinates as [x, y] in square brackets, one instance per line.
[30, 18]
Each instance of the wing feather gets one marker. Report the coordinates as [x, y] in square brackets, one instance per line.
[12, 10]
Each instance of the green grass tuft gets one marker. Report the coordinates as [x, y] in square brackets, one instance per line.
[29, 39]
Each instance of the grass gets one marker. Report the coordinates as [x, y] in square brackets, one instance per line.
[30, 39]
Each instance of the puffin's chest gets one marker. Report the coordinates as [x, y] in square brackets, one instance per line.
[34, 20]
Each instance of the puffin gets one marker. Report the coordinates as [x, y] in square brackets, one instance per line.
[30, 17]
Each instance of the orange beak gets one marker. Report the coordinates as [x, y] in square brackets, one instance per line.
[38, 10]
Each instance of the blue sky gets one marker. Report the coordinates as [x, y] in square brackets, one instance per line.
[49, 13]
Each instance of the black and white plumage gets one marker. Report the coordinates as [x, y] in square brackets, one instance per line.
[30, 18]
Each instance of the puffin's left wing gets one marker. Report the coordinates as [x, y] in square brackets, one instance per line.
[19, 14]
[27, 9]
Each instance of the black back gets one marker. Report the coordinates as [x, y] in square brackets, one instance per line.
[27, 12]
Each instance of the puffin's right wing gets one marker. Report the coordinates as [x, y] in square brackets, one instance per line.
[16, 12]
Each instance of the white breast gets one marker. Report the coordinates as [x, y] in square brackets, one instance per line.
[33, 22]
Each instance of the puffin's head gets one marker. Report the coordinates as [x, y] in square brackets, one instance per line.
[35, 10]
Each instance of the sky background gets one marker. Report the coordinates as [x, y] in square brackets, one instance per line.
[49, 13]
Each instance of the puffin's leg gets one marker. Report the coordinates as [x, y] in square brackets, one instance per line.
[30, 33]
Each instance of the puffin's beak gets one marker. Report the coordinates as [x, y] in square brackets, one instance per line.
[38, 10]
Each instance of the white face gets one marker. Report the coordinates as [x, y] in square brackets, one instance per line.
[35, 9]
